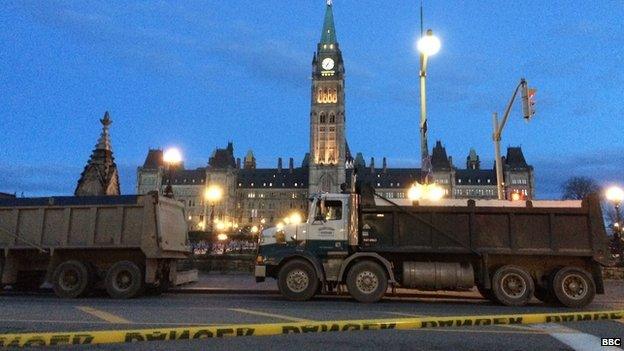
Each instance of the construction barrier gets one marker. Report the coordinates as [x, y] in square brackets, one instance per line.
[236, 330]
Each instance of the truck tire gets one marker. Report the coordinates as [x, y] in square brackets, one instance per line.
[367, 281]
[573, 287]
[70, 279]
[512, 286]
[124, 280]
[297, 280]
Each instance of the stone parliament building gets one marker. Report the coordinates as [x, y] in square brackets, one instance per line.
[253, 195]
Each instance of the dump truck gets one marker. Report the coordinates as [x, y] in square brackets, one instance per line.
[124, 244]
[509, 250]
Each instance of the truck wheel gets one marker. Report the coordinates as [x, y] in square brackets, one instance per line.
[124, 280]
[512, 286]
[70, 279]
[573, 287]
[297, 280]
[367, 281]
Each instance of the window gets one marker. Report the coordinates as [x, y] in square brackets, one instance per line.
[323, 118]
[332, 118]
[333, 209]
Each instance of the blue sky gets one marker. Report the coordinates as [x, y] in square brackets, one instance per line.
[197, 74]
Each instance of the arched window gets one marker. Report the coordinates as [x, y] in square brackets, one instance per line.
[334, 96]
[332, 118]
[323, 118]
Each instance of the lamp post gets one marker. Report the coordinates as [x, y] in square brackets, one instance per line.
[616, 196]
[427, 45]
[212, 195]
[172, 157]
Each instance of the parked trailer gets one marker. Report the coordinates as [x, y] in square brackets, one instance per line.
[511, 251]
[125, 243]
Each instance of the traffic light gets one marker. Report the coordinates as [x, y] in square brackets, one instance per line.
[528, 101]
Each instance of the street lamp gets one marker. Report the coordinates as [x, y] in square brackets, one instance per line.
[172, 157]
[427, 45]
[212, 195]
[431, 192]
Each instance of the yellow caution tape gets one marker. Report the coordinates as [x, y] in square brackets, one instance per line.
[236, 330]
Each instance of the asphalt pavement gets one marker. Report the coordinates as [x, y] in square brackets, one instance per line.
[44, 312]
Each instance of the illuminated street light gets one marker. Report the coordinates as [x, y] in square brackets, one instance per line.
[222, 237]
[427, 45]
[212, 195]
[615, 194]
[279, 226]
[434, 192]
[295, 218]
[415, 192]
[254, 229]
[431, 192]
[172, 157]
[515, 196]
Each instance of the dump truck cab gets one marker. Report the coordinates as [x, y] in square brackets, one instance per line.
[324, 233]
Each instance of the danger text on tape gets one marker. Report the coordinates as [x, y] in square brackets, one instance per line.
[201, 332]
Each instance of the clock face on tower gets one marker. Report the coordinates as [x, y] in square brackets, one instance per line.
[327, 64]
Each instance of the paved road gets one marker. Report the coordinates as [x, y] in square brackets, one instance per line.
[43, 312]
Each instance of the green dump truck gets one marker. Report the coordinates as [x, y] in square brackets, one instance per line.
[121, 243]
[510, 250]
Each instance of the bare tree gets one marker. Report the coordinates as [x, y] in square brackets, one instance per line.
[577, 188]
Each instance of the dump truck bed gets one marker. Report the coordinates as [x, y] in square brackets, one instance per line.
[154, 224]
[571, 228]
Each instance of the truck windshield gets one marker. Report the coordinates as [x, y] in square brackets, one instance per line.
[332, 210]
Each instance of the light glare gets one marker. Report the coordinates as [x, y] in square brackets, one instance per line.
[429, 45]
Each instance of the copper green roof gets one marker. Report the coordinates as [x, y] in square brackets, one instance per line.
[329, 31]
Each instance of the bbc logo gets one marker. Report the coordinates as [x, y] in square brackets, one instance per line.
[611, 342]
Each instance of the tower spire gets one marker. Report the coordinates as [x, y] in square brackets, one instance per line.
[104, 142]
[329, 30]
[100, 175]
